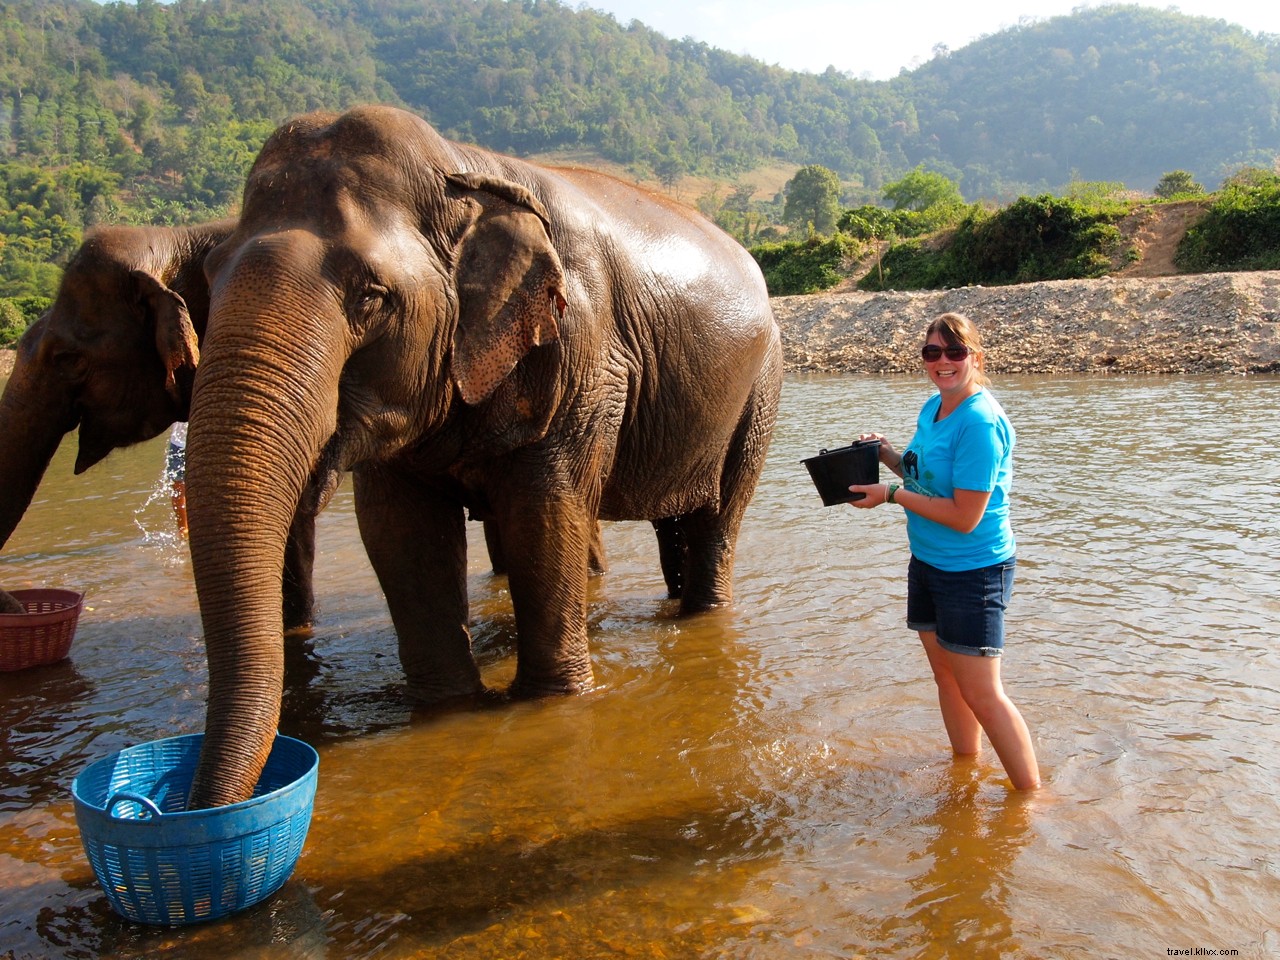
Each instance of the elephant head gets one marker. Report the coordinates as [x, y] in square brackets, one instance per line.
[462, 331]
[114, 355]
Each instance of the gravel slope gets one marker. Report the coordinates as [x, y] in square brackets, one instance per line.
[1194, 323]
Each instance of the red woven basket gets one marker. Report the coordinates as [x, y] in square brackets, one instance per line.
[42, 634]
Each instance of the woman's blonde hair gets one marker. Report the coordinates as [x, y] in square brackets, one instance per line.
[956, 329]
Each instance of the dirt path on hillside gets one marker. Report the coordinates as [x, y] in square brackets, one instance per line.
[1154, 234]
[1151, 238]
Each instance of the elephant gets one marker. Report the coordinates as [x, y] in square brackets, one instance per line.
[116, 355]
[463, 331]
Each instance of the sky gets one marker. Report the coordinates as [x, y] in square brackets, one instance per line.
[875, 39]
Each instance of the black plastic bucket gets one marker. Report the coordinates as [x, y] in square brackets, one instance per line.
[834, 470]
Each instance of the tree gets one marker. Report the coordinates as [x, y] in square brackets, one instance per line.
[12, 322]
[921, 189]
[1177, 182]
[813, 196]
[669, 169]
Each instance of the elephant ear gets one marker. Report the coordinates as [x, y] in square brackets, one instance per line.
[510, 285]
[176, 340]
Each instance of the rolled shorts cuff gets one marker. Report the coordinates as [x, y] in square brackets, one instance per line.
[971, 651]
[919, 627]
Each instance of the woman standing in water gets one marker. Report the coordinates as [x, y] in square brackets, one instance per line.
[957, 473]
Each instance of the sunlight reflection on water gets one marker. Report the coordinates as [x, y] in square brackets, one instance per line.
[765, 781]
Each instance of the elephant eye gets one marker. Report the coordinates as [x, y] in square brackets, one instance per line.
[368, 301]
[71, 365]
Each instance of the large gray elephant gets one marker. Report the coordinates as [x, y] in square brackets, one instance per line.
[116, 355]
[464, 331]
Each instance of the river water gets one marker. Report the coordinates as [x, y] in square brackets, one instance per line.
[766, 781]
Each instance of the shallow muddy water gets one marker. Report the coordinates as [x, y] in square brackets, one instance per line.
[767, 781]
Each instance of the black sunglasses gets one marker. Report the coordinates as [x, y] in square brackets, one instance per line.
[932, 353]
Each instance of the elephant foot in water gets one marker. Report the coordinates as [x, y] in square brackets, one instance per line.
[427, 708]
[562, 685]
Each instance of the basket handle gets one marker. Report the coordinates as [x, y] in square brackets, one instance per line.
[146, 803]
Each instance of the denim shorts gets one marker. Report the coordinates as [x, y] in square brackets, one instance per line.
[964, 608]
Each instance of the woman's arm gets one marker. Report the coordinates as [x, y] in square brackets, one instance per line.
[961, 511]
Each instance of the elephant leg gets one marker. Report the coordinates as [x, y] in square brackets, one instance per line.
[299, 600]
[547, 573]
[597, 564]
[671, 554]
[493, 543]
[416, 541]
[707, 572]
[711, 534]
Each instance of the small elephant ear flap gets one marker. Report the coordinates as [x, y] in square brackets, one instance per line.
[507, 190]
[510, 290]
[176, 341]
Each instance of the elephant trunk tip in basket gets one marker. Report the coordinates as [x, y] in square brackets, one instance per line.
[43, 633]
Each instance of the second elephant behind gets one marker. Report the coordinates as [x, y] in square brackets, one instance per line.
[115, 356]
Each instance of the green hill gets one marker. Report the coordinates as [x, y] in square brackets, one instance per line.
[152, 112]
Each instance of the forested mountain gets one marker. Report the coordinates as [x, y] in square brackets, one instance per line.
[1115, 93]
[149, 111]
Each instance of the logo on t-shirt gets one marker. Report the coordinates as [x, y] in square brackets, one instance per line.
[911, 475]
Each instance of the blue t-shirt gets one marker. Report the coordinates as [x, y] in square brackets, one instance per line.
[972, 449]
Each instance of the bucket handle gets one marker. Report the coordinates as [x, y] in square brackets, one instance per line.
[146, 803]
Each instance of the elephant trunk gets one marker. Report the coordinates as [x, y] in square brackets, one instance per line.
[35, 414]
[256, 432]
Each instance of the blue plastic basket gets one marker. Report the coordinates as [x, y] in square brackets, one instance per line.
[161, 864]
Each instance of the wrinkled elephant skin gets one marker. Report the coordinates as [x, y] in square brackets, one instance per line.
[464, 331]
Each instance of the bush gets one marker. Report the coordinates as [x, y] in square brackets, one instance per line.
[805, 266]
[908, 266]
[1041, 238]
[874, 223]
[12, 323]
[878, 223]
[18, 313]
[1240, 230]
[1178, 183]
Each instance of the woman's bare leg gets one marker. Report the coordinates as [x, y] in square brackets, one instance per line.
[972, 699]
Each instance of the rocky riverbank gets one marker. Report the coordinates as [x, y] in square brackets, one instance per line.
[1195, 323]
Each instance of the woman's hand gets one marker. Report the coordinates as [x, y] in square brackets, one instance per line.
[890, 457]
[875, 494]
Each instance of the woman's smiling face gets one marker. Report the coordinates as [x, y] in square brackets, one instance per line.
[952, 377]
